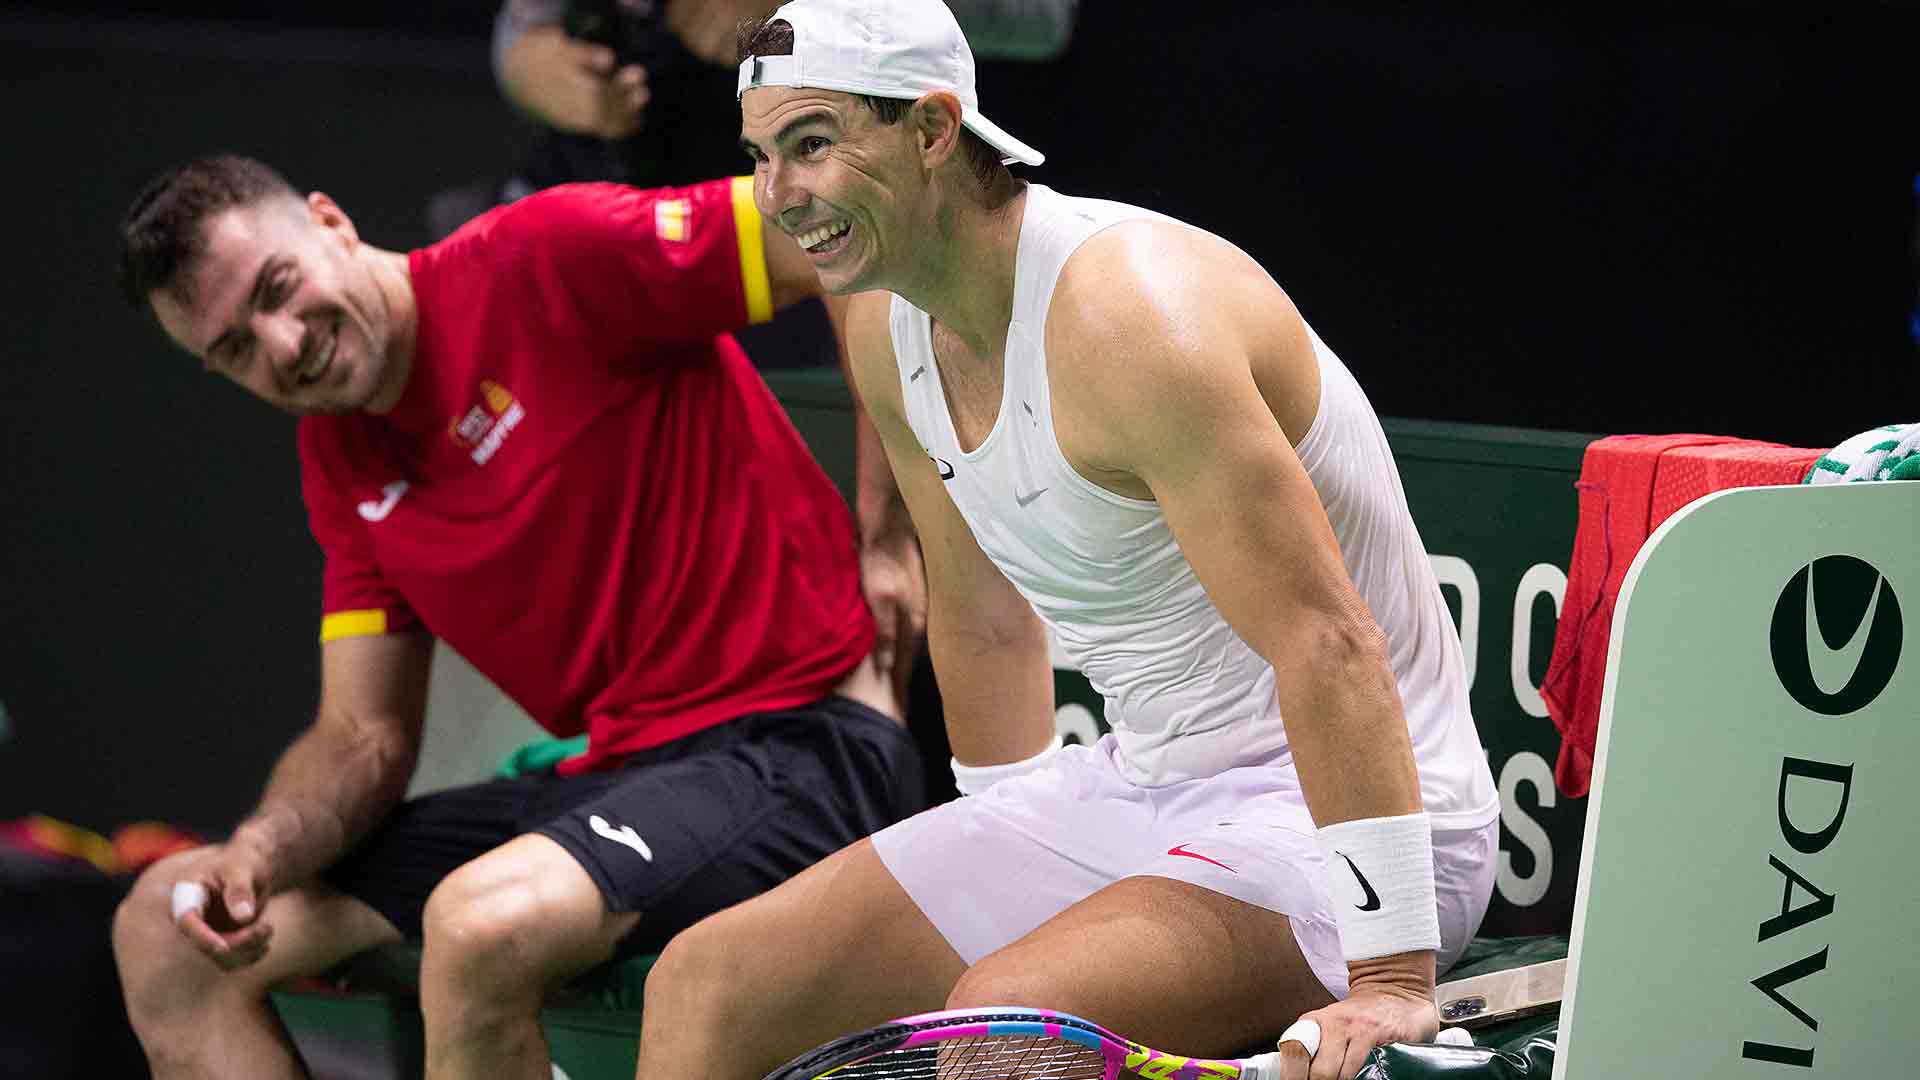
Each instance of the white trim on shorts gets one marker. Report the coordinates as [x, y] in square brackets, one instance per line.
[989, 868]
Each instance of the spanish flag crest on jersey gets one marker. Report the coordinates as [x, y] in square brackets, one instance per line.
[673, 219]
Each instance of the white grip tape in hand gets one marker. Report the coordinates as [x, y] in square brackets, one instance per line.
[1306, 1033]
[188, 896]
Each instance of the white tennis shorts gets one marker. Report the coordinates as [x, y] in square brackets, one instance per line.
[989, 868]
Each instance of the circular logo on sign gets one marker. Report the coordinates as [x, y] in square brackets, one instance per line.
[1836, 635]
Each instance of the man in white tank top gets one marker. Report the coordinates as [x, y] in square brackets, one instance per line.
[1117, 426]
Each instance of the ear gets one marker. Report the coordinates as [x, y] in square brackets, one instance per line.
[327, 214]
[935, 119]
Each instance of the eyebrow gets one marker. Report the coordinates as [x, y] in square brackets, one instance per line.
[267, 267]
[786, 132]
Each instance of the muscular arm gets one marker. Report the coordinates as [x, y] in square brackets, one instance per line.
[891, 570]
[1180, 362]
[879, 507]
[885, 525]
[988, 646]
[346, 771]
[1179, 372]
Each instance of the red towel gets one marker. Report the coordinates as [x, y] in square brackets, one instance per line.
[1629, 484]
[1688, 472]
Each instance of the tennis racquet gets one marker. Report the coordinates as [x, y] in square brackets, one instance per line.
[1037, 1044]
[1007, 1044]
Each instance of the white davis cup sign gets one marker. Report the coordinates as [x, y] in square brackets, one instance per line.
[1835, 643]
[1751, 885]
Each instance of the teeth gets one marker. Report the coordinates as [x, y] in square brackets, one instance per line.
[316, 364]
[816, 237]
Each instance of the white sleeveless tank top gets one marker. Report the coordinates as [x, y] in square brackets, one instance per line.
[1185, 695]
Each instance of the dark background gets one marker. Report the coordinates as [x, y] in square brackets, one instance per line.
[1605, 222]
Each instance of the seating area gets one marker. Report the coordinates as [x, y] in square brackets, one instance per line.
[363, 1020]
[1529, 493]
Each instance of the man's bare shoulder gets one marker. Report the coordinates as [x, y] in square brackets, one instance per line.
[1151, 291]
[868, 314]
[1150, 314]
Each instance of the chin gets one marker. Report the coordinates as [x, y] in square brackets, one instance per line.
[365, 388]
[846, 282]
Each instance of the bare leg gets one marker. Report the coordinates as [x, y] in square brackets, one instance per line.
[499, 932]
[836, 948]
[196, 1020]
[1162, 961]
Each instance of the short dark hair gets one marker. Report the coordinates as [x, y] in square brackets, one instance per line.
[161, 232]
[764, 37]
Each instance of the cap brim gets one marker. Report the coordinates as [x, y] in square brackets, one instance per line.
[997, 137]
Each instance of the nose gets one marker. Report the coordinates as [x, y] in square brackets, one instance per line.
[282, 336]
[776, 193]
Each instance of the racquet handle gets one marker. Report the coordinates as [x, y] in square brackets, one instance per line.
[1267, 1066]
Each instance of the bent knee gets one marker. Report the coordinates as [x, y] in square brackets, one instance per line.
[710, 963]
[144, 933]
[156, 961]
[684, 969]
[515, 924]
[989, 984]
[473, 929]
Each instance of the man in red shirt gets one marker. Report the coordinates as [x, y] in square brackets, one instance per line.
[536, 441]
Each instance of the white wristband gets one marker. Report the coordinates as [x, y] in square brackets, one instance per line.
[974, 779]
[1380, 873]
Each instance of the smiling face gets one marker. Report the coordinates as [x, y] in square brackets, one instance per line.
[851, 188]
[282, 299]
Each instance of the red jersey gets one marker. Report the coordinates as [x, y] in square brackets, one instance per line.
[586, 489]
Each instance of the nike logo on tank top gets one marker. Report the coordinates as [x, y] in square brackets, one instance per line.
[1185, 695]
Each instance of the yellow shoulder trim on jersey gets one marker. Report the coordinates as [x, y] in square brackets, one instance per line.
[753, 251]
[345, 624]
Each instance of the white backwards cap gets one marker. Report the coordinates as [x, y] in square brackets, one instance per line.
[884, 48]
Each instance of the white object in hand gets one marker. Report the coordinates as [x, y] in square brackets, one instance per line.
[188, 896]
[1306, 1033]
[1454, 1036]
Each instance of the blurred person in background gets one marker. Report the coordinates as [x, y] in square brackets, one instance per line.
[536, 441]
[641, 92]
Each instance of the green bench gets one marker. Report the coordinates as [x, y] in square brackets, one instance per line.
[363, 1021]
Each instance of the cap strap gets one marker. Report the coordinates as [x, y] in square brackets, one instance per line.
[767, 71]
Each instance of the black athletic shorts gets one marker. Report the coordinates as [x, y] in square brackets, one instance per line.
[675, 832]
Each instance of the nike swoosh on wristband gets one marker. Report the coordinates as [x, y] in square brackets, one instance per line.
[1181, 849]
[1373, 898]
[623, 835]
[1824, 663]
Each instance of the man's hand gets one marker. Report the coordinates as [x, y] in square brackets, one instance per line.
[708, 28]
[895, 582]
[217, 905]
[1386, 1003]
[575, 85]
